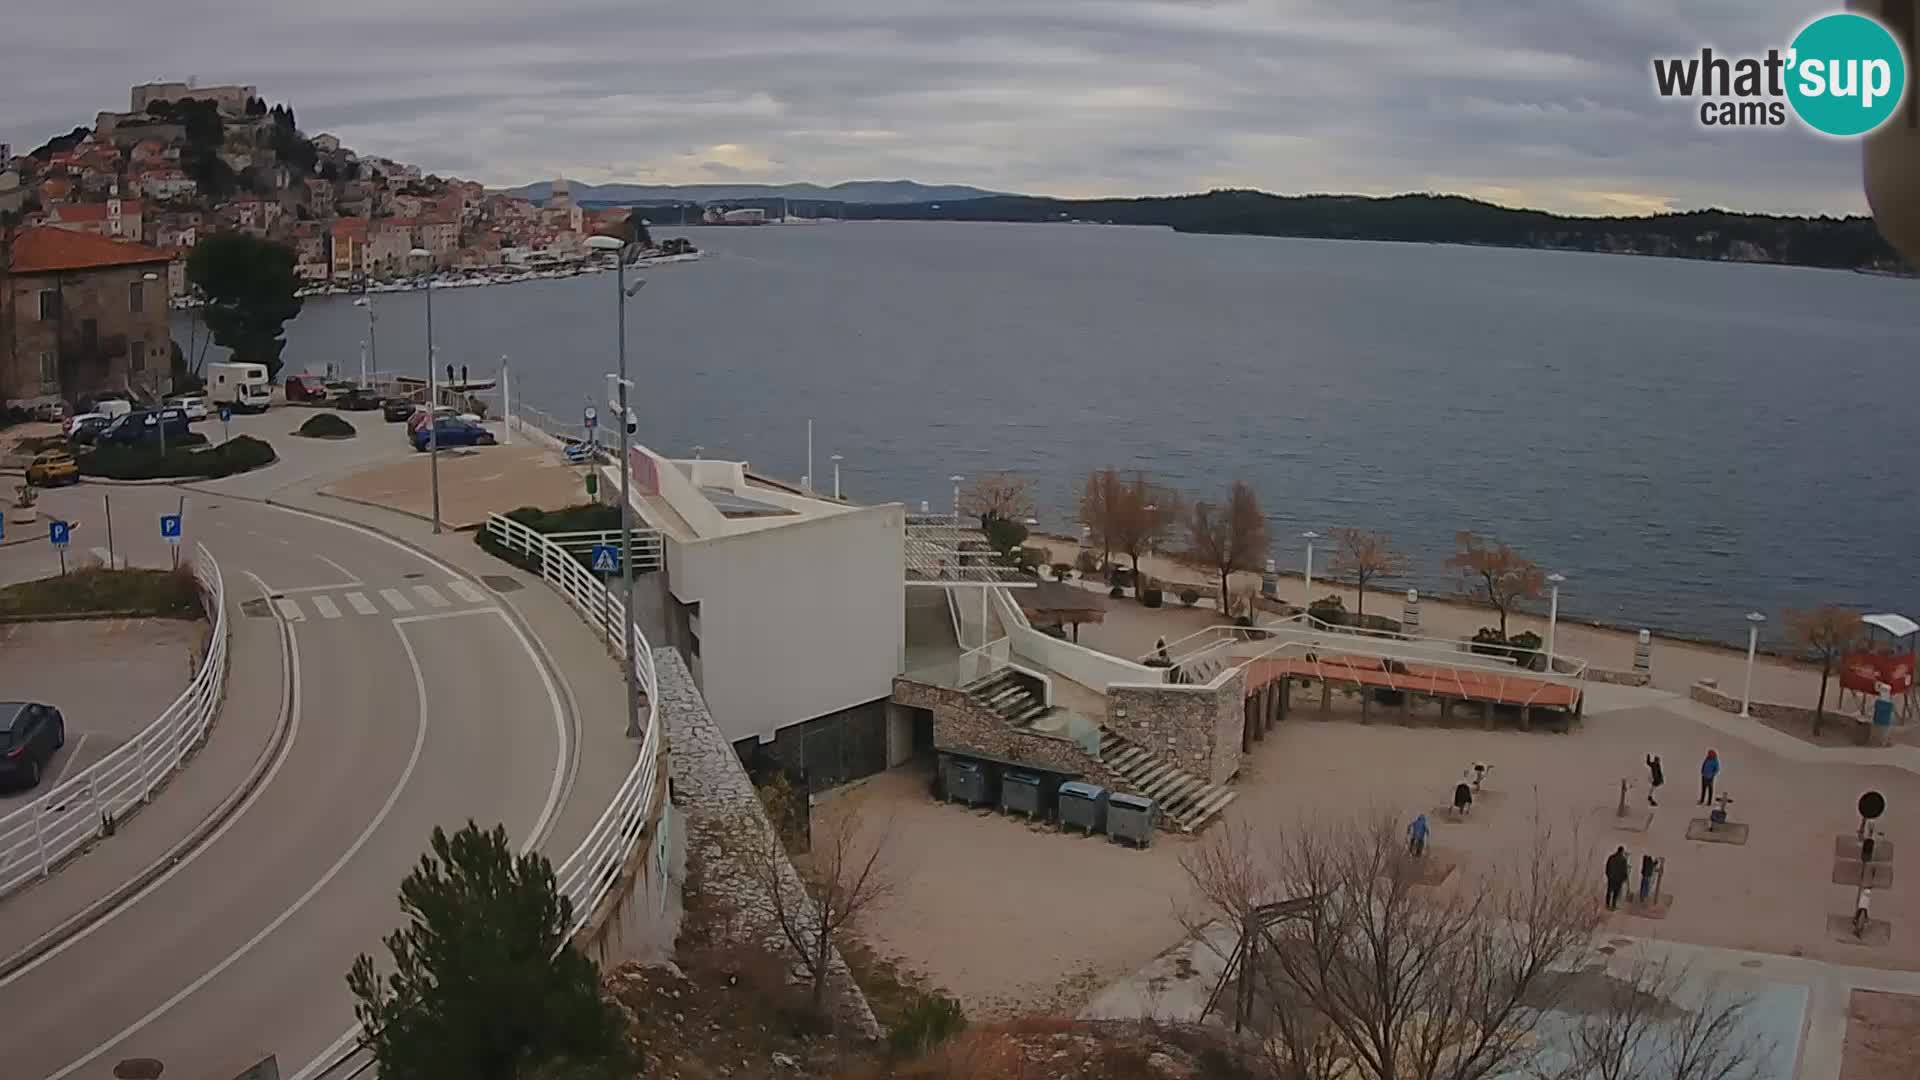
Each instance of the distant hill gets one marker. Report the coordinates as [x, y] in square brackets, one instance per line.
[872, 192]
[1841, 243]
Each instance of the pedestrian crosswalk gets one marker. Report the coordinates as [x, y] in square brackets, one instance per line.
[359, 602]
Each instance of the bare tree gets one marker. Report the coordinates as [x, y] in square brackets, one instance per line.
[1367, 973]
[1140, 517]
[1227, 539]
[1504, 575]
[1826, 634]
[807, 900]
[998, 496]
[1655, 1019]
[1099, 498]
[1364, 556]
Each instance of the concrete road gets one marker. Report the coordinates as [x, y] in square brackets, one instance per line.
[414, 701]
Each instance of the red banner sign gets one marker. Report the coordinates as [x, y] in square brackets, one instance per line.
[1862, 671]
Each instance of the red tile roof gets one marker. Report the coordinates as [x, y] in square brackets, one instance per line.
[47, 249]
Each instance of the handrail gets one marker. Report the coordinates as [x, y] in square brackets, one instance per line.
[589, 872]
[93, 801]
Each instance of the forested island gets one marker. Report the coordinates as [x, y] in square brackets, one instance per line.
[1850, 243]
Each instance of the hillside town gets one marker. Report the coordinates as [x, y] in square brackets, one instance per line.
[185, 161]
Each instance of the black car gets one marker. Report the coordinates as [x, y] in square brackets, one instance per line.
[145, 425]
[29, 734]
[396, 409]
[357, 399]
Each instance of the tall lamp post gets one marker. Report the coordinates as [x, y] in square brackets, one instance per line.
[433, 387]
[370, 349]
[1553, 615]
[836, 477]
[957, 481]
[1754, 619]
[1309, 536]
[621, 295]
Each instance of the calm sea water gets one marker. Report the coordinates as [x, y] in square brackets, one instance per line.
[1685, 441]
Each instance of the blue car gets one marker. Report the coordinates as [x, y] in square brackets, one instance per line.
[453, 431]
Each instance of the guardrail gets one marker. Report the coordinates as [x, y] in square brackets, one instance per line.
[647, 551]
[93, 801]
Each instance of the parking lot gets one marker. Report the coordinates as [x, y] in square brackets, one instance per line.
[109, 677]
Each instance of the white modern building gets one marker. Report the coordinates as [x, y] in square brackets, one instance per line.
[790, 608]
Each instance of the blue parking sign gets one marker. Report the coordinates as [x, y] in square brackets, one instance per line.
[226, 413]
[170, 527]
[606, 559]
[57, 531]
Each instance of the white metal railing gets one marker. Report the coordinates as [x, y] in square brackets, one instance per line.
[587, 874]
[78, 810]
[647, 551]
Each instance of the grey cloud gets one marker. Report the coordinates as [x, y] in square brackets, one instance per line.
[1549, 104]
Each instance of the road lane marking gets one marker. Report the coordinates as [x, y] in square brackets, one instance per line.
[393, 797]
[466, 592]
[73, 755]
[563, 769]
[360, 604]
[395, 600]
[440, 615]
[325, 606]
[432, 596]
[344, 572]
[290, 706]
[290, 609]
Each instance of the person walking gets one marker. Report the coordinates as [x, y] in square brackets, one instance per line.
[1417, 837]
[1655, 777]
[1462, 799]
[1647, 866]
[1709, 769]
[1617, 873]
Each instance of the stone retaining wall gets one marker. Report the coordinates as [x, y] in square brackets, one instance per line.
[710, 785]
[1620, 678]
[1706, 692]
[1196, 728]
[961, 723]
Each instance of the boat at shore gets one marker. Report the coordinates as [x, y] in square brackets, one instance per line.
[470, 278]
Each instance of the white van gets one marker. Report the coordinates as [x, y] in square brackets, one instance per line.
[243, 386]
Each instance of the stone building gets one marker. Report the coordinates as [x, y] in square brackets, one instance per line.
[79, 314]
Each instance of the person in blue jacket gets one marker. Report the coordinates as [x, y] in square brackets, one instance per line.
[1709, 769]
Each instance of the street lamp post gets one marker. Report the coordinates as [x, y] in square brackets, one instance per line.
[1553, 615]
[1754, 619]
[433, 390]
[1309, 536]
[370, 348]
[621, 295]
[957, 480]
[836, 477]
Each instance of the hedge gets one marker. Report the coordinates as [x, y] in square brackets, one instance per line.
[584, 517]
[166, 594]
[326, 426]
[146, 462]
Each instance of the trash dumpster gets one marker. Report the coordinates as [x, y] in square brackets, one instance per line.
[1021, 792]
[969, 782]
[1131, 818]
[1083, 806]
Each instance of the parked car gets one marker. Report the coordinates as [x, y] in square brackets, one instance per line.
[306, 388]
[50, 467]
[145, 425]
[453, 431]
[71, 423]
[85, 430]
[395, 409]
[29, 734]
[357, 399]
[52, 410]
[193, 405]
[419, 418]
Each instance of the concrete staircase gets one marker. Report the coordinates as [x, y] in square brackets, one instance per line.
[1010, 696]
[1188, 801]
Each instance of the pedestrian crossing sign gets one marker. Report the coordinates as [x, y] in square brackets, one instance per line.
[606, 559]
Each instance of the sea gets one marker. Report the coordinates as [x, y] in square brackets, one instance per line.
[1684, 441]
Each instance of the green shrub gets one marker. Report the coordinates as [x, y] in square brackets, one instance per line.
[1189, 597]
[931, 1020]
[1151, 597]
[1116, 592]
[1086, 563]
[1329, 609]
[582, 517]
[326, 426]
[1062, 571]
[164, 594]
[183, 459]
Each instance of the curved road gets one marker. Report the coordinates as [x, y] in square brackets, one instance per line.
[412, 701]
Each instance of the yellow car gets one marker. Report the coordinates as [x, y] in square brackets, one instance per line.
[52, 467]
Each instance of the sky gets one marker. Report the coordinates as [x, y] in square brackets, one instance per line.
[1526, 103]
